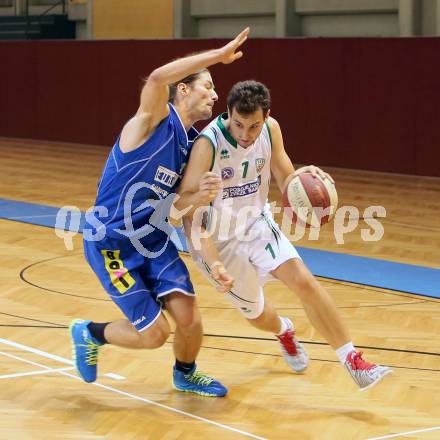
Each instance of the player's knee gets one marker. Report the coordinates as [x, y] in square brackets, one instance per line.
[301, 286]
[155, 337]
[256, 322]
[190, 323]
[255, 314]
[256, 317]
[262, 317]
[303, 282]
[188, 319]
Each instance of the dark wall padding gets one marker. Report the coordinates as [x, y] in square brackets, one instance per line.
[357, 103]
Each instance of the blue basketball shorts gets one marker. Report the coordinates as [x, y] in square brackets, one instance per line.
[134, 282]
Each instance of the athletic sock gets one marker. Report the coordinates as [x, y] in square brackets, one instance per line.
[97, 331]
[343, 351]
[184, 367]
[285, 325]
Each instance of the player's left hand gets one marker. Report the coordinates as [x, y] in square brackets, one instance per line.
[228, 52]
[221, 275]
[315, 171]
[209, 186]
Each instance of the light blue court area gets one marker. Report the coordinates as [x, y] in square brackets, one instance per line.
[40, 215]
[408, 278]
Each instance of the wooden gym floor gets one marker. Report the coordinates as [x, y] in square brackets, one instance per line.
[44, 286]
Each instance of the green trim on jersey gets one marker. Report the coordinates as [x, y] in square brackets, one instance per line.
[225, 132]
[270, 134]
[214, 150]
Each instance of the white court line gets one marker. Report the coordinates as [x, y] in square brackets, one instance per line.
[34, 373]
[114, 376]
[133, 396]
[20, 359]
[51, 356]
[46, 368]
[36, 351]
[405, 433]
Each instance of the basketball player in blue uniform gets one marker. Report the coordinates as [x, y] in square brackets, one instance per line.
[127, 242]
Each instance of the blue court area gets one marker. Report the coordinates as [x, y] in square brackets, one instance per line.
[408, 278]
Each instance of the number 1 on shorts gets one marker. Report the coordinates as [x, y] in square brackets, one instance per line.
[270, 249]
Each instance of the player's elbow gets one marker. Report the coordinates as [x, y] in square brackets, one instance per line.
[157, 77]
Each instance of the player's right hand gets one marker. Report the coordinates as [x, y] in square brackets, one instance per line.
[227, 53]
[221, 275]
[209, 186]
[315, 171]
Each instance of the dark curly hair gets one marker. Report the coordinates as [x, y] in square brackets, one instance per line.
[187, 80]
[247, 96]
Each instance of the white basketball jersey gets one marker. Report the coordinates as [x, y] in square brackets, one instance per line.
[245, 174]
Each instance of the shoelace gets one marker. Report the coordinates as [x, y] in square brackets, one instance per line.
[199, 378]
[359, 364]
[91, 352]
[288, 343]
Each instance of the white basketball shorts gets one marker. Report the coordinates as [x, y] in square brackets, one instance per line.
[250, 263]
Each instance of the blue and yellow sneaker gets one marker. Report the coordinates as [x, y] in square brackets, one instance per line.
[198, 383]
[85, 349]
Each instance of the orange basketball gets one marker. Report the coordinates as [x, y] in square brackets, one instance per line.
[313, 200]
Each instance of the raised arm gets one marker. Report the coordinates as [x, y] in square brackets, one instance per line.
[153, 105]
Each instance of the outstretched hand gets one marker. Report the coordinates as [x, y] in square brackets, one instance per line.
[228, 52]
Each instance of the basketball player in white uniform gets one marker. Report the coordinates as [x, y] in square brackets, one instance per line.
[245, 147]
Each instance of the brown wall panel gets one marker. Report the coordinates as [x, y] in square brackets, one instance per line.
[358, 103]
[68, 91]
[18, 83]
[116, 19]
[427, 108]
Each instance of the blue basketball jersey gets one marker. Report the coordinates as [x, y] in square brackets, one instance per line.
[134, 185]
[130, 251]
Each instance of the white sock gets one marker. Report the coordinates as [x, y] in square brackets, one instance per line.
[343, 351]
[286, 324]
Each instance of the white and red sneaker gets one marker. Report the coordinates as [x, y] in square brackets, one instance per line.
[293, 352]
[363, 373]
